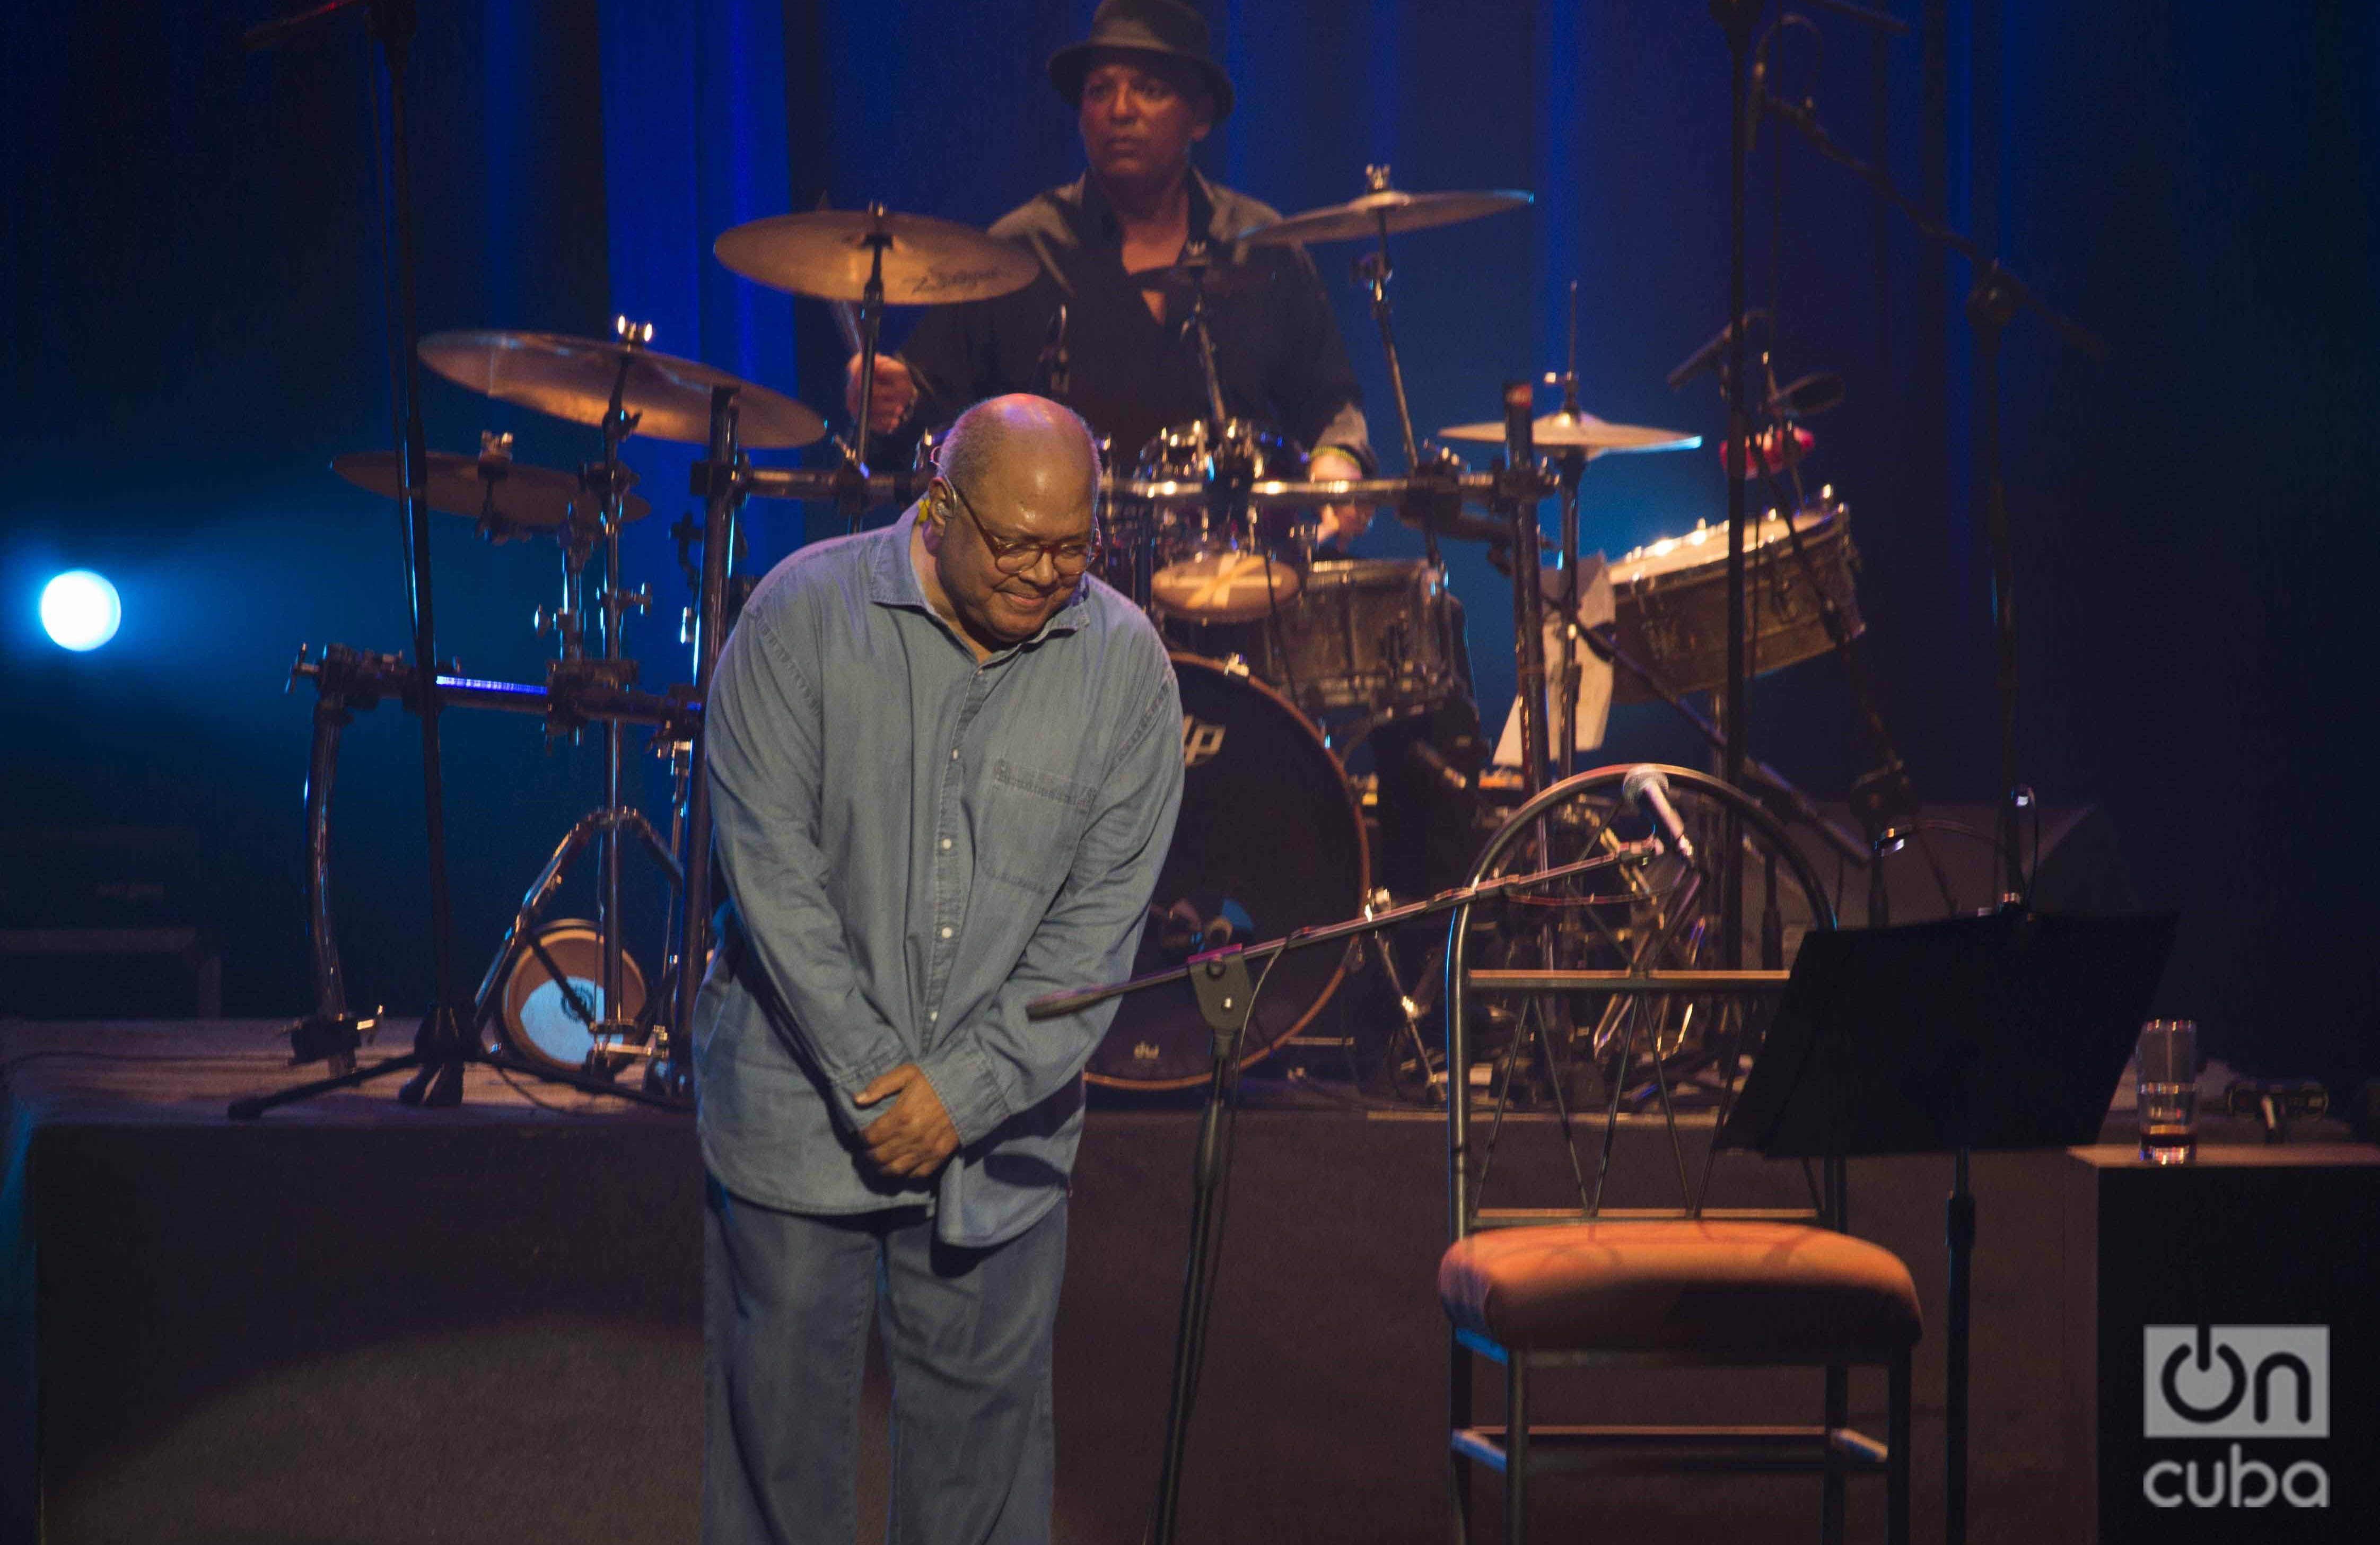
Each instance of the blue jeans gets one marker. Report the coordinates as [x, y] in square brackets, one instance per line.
[786, 1299]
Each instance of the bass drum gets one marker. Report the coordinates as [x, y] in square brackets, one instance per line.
[1270, 840]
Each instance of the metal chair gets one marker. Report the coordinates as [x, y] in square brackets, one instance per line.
[1637, 969]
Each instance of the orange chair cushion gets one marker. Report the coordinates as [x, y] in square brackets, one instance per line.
[1747, 1289]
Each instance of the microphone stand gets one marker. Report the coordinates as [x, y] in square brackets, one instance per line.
[1997, 298]
[1219, 981]
[440, 1043]
[1736, 19]
[1994, 301]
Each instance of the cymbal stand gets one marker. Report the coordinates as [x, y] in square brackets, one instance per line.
[1568, 467]
[1521, 486]
[871, 329]
[1228, 475]
[611, 828]
[1195, 262]
[575, 537]
[1373, 271]
[717, 481]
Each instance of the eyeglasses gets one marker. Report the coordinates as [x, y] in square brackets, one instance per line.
[1018, 554]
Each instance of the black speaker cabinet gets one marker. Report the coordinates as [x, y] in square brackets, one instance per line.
[2222, 1345]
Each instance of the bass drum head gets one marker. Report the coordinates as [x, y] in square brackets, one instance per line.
[1270, 841]
[535, 1020]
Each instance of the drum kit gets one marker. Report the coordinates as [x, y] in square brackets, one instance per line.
[1289, 657]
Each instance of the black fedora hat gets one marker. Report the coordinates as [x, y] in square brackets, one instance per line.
[1166, 27]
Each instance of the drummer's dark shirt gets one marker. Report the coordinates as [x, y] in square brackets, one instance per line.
[1278, 351]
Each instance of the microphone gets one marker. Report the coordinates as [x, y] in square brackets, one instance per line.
[1646, 789]
[1708, 356]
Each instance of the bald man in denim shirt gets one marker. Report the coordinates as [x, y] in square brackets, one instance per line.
[945, 763]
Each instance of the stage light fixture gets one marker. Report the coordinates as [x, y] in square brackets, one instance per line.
[80, 610]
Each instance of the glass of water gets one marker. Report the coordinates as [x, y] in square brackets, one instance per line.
[2167, 1061]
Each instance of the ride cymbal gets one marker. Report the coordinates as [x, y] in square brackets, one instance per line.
[1387, 211]
[572, 378]
[1581, 432]
[509, 494]
[827, 254]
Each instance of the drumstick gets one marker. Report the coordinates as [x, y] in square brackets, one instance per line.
[846, 322]
[847, 315]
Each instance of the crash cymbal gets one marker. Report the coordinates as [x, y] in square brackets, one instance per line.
[1582, 432]
[524, 497]
[1391, 208]
[827, 253]
[572, 377]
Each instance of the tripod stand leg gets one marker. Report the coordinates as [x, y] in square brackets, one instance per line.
[437, 1086]
[439, 1049]
[1410, 1009]
[256, 1105]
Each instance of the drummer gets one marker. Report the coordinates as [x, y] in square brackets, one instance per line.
[1145, 90]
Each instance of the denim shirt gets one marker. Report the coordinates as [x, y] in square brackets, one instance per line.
[916, 844]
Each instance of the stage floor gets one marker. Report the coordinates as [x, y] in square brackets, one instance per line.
[353, 1321]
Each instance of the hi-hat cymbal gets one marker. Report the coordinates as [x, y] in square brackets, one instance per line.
[1390, 208]
[1581, 432]
[827, 253]
[572, 378]
[517, 495]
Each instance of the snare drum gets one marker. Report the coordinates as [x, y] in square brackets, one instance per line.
[1213, 562]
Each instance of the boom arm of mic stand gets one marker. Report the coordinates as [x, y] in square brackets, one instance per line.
[1800, 117]
[1052, 1005]
[267, 34]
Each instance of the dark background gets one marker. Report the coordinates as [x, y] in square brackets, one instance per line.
[191, 262]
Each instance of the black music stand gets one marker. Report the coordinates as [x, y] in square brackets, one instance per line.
[2003, 1032]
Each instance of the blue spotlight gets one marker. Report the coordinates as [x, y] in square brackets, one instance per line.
[80, 610]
